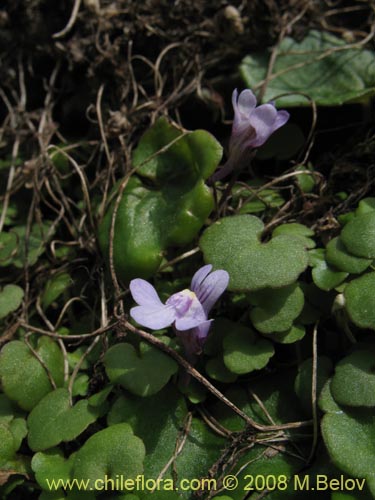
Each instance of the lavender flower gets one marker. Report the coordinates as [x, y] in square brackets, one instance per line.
[252, 126]
[186, 310]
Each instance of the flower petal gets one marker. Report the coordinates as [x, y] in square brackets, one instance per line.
[281, 118]
[199, 276]
[194, 316]
[263, 120]
[154, 317]
[246, 102]
[212, 288]
[143, 293]
[243, 107]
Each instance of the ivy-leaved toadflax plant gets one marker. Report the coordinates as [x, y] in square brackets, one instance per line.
[187, 310]
[252, 126]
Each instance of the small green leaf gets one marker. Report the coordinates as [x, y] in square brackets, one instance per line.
[36, 242]
[324, 276]
[276, 309]
[8, 446]
[295, 333]
[80, 385]
[316, 67]
[306, 182]
[11, 212]
[54, 288]
[353, 383]
[110, 452]
[265, 199]
[358, 235]
[338, 256]
[360, 300]
[23, 378]
[217, 370]
[51, 465]
[143, 373]
[8, 247]
[276, 393]
[11, 436]
[10, 299]
[295, 229]
[244, 350]
[365, 206]
[8, 410]
[54, 420]
[59, 159]
[233, 244]
[165, 153]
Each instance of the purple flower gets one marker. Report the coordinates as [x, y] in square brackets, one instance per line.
[186, 310]
[251, 128]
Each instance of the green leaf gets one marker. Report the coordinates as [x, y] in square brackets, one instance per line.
[324, 276]
[317, 67]
[360, 301]
[295, 229]
[365, 206]
[306, 182]
[8, 447]
[80, 385]
[274, 391]
[338, 256]
[276, 309]
[110, 452]
[8, 247]
[23, 378]
[351, 433]
[11, 213]
[233, 244]
[358, 235]
[54, 288]
[149, 220]
[216, 369]
[54, 420]
[326, 401]
[10, 299]
[244, 350]
[8, 410]
[353, 383]
[195, 392]
[202, 448]
[265, 199]
[36, 242]
[11, 436]
[165, 153]
[143, 373]
[295, 333]
[327, 278]
[167, 412]
[51, 465]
